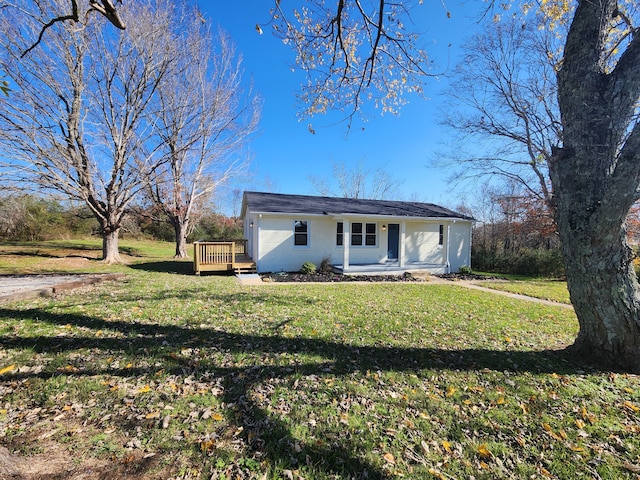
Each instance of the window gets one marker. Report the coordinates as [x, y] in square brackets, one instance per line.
[441, 236]
[370, 238]
[356, 234]
[340, 234]
[300, 233]
[368, 235]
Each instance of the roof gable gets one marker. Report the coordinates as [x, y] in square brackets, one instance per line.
[313, 205]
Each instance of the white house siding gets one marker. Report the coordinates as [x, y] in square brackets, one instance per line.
[276, 249]
[270, 242]
[460, 245]
[421, 243]
[276, 252]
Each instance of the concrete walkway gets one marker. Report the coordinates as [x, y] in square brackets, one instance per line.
[475, 286]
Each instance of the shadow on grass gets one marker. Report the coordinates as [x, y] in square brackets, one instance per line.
[263, 432]
[60, 249]
[47, 251]
[182, 267]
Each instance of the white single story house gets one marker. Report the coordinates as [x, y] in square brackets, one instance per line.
[356, 235]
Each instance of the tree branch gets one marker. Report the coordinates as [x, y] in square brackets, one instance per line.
[73, 17]
[104, 7]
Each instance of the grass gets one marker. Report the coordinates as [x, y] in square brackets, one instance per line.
[554, 290]
[200, 377]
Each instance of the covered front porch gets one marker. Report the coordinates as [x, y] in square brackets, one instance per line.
[391, 268]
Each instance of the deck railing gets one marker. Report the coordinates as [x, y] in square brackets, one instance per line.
[220, 255]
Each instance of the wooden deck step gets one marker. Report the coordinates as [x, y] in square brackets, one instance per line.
[245, 268]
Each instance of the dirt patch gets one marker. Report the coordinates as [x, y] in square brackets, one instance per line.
[55, 464]
[468, 277]
[60, 464]
[336, 277]
[63, 450]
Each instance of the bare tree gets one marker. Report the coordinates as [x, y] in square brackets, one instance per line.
[78, 126]
[70, 11]
[202, 118]
[358, 182]
[503, 103]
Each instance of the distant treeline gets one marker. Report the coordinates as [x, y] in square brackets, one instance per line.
[33, 218]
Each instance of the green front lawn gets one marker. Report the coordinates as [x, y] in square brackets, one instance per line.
[169, 375]
[553, 290]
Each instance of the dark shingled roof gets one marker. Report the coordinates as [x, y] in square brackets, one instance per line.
[281, 203]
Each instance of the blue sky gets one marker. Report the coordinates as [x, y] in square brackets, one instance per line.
[285, 154]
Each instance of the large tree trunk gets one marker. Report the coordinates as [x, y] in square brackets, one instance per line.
[110, 252]
[595, 179]
[180, 228]
[601, 281]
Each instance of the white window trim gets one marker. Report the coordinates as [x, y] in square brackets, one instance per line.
[364, 235]
[308, 245]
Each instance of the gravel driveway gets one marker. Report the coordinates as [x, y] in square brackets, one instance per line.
[19, 287]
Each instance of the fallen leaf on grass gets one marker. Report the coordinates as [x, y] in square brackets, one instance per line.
[627, 405]
[437, 474]
[631, 467]
[7, 369]
[389, 458]
[552, 434]
[68, 368]
[546, 473]
[165, 422]
[207, 446]
[484, 451]
[447, 446]
[589, 417]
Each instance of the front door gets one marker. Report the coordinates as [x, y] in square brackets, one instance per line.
[393, 239]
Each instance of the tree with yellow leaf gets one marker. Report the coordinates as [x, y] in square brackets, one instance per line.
[361, 51]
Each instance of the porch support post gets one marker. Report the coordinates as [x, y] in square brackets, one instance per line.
[346, 241]
[256, 242]
[401, 246]
[448, 244]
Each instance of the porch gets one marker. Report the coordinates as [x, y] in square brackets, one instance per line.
[391, 268]
[222, 256]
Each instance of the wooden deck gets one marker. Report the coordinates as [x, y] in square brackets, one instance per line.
[222, 256]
